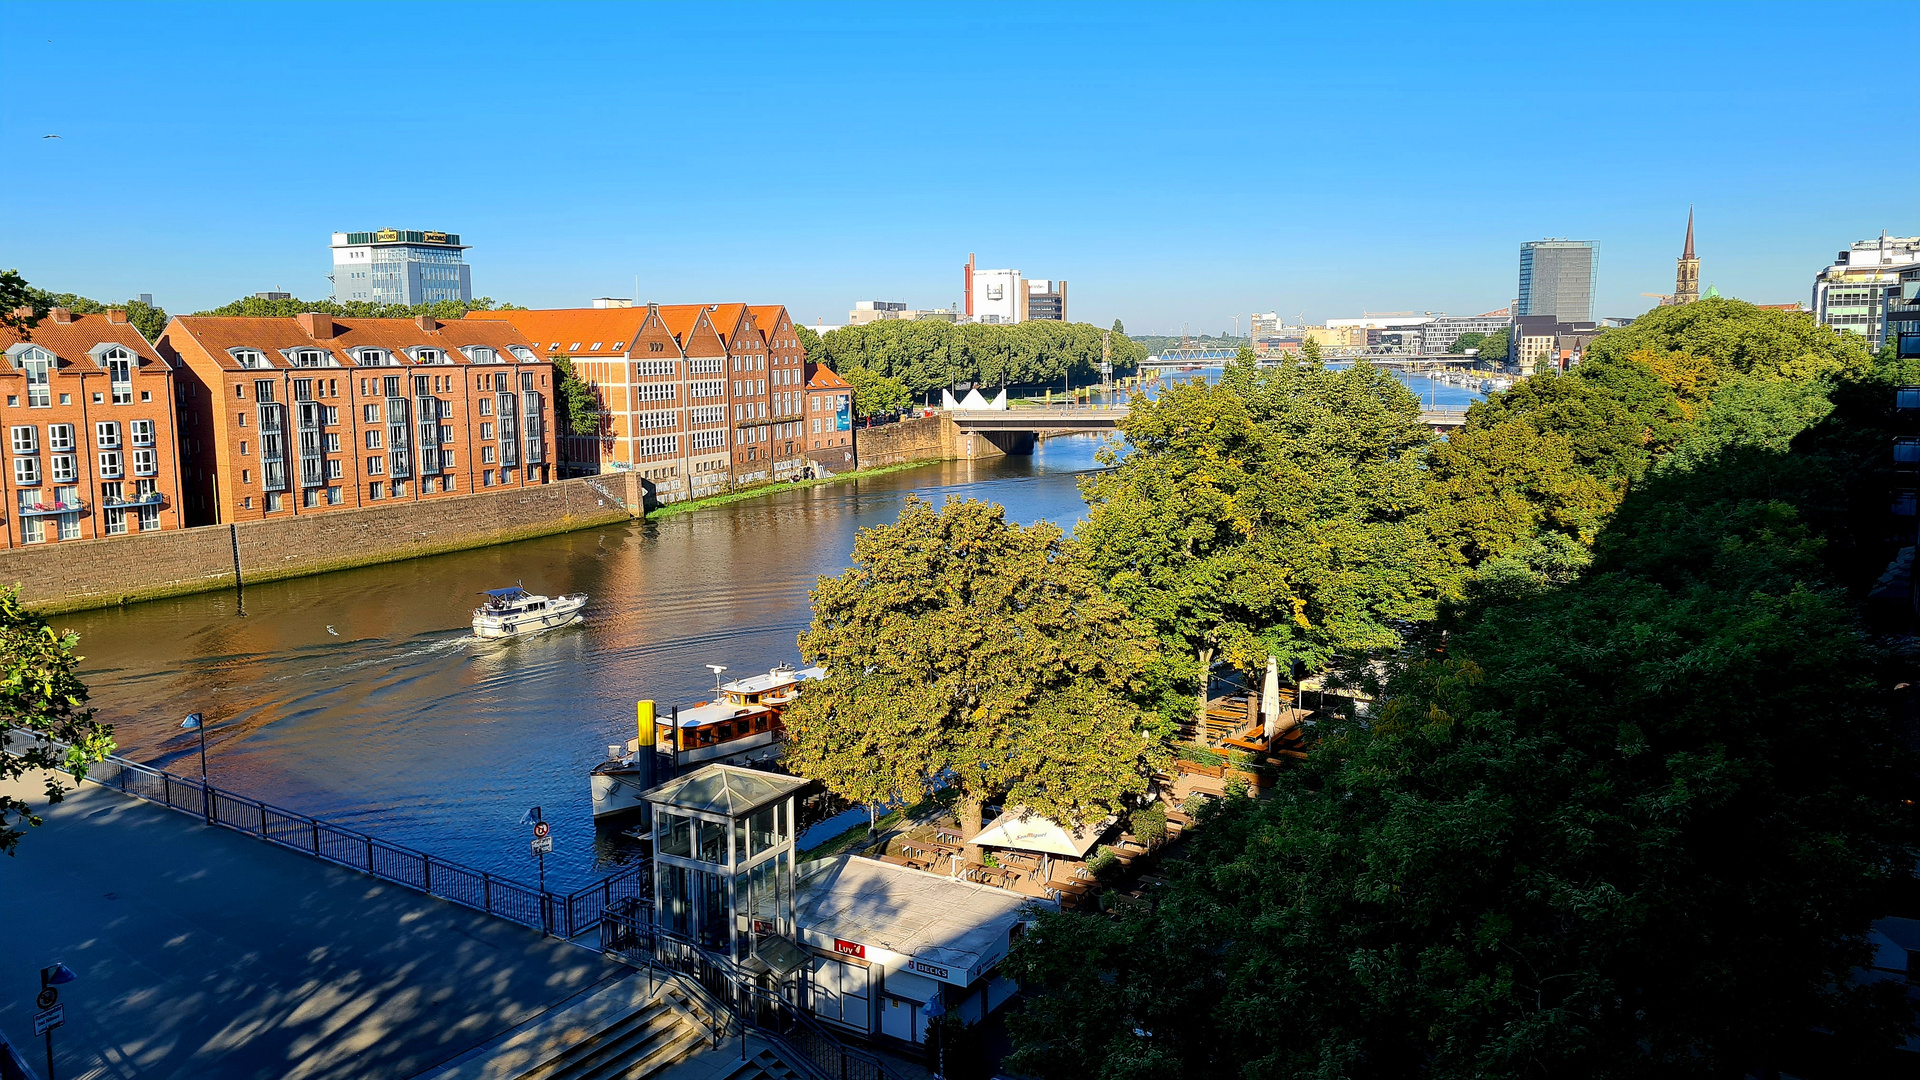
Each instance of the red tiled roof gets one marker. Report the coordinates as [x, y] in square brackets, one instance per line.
[821, 377]
[72, 341]
[767, 317]
[272, 335]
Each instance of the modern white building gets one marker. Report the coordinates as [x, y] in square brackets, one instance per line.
[400, 266]
[1005, 296]
[1851, 294]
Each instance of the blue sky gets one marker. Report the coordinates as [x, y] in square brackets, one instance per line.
[1174, 163]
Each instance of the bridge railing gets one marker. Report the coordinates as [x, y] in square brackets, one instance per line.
[562, 914]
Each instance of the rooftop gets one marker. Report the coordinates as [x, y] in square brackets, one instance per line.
[928, 917]
[725, 789]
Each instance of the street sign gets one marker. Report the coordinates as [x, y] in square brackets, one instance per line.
[47, 998]
[48, 1019]
[540, 830]
[542, 845]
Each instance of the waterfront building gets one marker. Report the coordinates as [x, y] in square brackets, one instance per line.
[91, 444]
[694, 397]
[1537, 338]
[1438, 336]
[1556, 278]
[400, 266]
[287, 416]
[1389, 329]
[1851, 293]
[829, 419]
[867, 311]
[1006, 296]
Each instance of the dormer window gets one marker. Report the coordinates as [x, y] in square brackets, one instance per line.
[37, 363]
[428, 356]
[311, 358]
[248, 359]
[371, 358]
[522, 353]
[119, 365]
[480, 354]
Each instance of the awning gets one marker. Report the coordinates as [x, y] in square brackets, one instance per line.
[907, 986]
[1036, 833]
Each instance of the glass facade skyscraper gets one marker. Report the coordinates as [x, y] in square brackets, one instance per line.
[1556, 278]
[394, 266]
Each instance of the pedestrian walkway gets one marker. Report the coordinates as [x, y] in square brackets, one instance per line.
[202, 953]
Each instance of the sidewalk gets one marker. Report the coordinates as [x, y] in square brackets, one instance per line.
[203, 953]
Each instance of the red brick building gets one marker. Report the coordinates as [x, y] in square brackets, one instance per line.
[786, 390]
[90, 445]
[288, 416]
[829, 410]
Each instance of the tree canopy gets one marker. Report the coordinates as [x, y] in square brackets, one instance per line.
[961, 648]
[928, 355]
[1625, 808]
[41, 697]
[875, 395]
[256, 307]
[1274, 514]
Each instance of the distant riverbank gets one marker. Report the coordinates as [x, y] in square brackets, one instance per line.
[778, 487]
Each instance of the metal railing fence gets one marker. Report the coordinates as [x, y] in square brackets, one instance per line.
[628, 934]
[565, 915]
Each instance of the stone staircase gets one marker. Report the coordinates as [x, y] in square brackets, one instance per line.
[764, 1065]
[638, 1045]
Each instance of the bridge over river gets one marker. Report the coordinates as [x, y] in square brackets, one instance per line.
[1014, 430]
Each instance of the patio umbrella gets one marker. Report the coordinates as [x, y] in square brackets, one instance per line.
[1270, 699]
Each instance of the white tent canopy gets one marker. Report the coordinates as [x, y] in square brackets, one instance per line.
[1023, 830]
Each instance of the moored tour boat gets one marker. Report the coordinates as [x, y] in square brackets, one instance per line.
[741, 727]
[514, 612]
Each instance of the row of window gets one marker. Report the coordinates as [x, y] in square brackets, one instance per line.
[106, 435]
[256, 359]
[66, 467]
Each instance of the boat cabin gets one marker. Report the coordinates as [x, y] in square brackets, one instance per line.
[745, 718]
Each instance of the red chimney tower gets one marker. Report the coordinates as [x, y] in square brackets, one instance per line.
[968, 286]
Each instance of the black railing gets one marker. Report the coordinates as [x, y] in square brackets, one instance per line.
[628, 934]
[565, 915]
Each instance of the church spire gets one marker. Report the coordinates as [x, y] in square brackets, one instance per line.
[1686, 280]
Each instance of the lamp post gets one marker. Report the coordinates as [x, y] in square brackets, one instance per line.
[56, 975]
[196, 722]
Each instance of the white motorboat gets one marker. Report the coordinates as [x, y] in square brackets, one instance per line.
[516, 612]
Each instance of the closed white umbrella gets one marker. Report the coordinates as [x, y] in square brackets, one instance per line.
[1270, 699]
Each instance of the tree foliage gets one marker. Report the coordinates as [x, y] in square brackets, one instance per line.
[16, 294]
[927, 355]
[255, 307]
[964, 649]
[1625, 809]
[576, 405]
[876, 395]
[41, 697]
[1274, 514]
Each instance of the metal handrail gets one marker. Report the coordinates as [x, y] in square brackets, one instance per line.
[629, 935]
[565, 915]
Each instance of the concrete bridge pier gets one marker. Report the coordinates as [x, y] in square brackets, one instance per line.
[1005, 442]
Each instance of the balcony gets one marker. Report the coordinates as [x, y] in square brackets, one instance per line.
[53, 509]
[152, 498]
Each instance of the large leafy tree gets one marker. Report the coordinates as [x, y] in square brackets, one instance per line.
[1276, 513]
[875, 395]
[1630, 815]
[927, 355]
[961, 648]
[41, 698]
[576, 405]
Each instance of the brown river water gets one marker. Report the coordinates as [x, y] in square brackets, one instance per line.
[403, 725]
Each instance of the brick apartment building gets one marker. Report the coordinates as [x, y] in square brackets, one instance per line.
[90, 447]
[288, 416]
[694, 397]
[829, 419]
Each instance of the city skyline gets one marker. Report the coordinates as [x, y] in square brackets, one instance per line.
[1317, 184]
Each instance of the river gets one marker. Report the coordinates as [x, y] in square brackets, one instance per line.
[362, 697]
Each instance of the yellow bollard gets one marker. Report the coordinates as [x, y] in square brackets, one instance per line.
[645, 709]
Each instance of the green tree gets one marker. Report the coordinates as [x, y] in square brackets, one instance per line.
[41, 697]
[1119, 328]
[1310, 350]
[875, 395]
[17, 310]
[576, 405]
[965, 649]
[809, 344]
[1275, 514]
[1469, 340]
[145, 318]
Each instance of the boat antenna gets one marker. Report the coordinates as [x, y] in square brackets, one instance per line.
[716, 669]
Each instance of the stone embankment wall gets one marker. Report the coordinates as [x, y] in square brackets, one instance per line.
[81, 574]
[924, 438]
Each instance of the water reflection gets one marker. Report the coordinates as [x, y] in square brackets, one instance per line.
[407, 726]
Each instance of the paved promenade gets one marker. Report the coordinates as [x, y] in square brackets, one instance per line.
[207, 954]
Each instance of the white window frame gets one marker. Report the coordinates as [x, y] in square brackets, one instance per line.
[106, 434]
